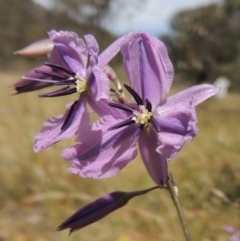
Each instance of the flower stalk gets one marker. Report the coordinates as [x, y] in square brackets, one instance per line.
[174, 196]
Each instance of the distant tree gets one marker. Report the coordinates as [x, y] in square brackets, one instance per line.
[23, 22]
[206, 41]
[85, 11]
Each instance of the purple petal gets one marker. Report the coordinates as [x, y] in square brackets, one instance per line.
[102, 108]
[148, 66]
[195, 95]
[176, 127]
[69, 51]
[102, 153]
[155, 163]
[108, 54]
[51, 132]
[99, 84]
[229, 229]
[92, 48]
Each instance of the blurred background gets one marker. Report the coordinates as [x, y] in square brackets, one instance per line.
[36, 191]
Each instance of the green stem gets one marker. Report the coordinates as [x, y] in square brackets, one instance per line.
[179, 209]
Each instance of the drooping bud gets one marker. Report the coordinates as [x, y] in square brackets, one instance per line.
[99, 209]
[36, 49]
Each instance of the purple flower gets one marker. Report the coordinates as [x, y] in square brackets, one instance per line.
[235, 233]
[67, 67]
[99, 209]
[159, 126]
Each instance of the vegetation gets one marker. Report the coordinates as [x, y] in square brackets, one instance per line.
[206, 43]
[26, 22]
[37, 192]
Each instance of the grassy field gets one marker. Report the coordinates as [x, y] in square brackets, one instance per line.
[37, 193]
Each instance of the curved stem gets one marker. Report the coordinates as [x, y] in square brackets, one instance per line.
[179, 209]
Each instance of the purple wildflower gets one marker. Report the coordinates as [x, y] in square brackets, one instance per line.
[67, 67]
[234, 232]
[99, 209]
[159, 126]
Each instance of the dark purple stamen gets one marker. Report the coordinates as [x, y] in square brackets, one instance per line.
[122, 124]
[121, 106]
[59, 67]
[148, 105]
[153, 121]
[66, 82]
[139, 129]
[51, 74]
[128, 108]
[70, 116]
[134, 94]
[61, 92]
[60, 76]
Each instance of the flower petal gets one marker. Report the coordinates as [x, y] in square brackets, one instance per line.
[99, 84]
[107, 55]
[102, 108]
[148, 66]
[176, 127]
[51, 132]
[229, 229]
[92, 48]
[195, 95]
[155, 163]
[69, 51]
[102, 153]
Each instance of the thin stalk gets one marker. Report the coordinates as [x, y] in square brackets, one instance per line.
[179, 209]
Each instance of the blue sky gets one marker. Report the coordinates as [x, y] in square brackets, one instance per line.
[152, 16]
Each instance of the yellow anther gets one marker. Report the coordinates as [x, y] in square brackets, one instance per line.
[81, 84]
[143, 116]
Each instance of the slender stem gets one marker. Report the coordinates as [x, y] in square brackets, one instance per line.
[179, 209]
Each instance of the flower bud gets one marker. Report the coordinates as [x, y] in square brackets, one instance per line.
[99, 209]
[36, 49]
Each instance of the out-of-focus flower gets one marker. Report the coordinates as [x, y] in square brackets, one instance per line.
[234, 232]
[99, 209]
[67, 66]
[160, 126]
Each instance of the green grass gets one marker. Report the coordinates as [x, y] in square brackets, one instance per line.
[37, 193]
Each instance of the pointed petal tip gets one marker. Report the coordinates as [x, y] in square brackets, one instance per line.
[36, 49]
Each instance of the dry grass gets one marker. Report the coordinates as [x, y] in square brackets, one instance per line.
[37, 193]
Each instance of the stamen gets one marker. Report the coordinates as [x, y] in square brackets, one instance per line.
[40, 80]
[148, 105]
[70, 117]
[153, 121]
[121, 106]
[122, 124]
[52, 74]
[61, 92]
[59, 67]
[66, 82]
[137, 132]
[134, 94]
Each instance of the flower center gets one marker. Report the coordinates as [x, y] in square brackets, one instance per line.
[143, 116]
[81, 83]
